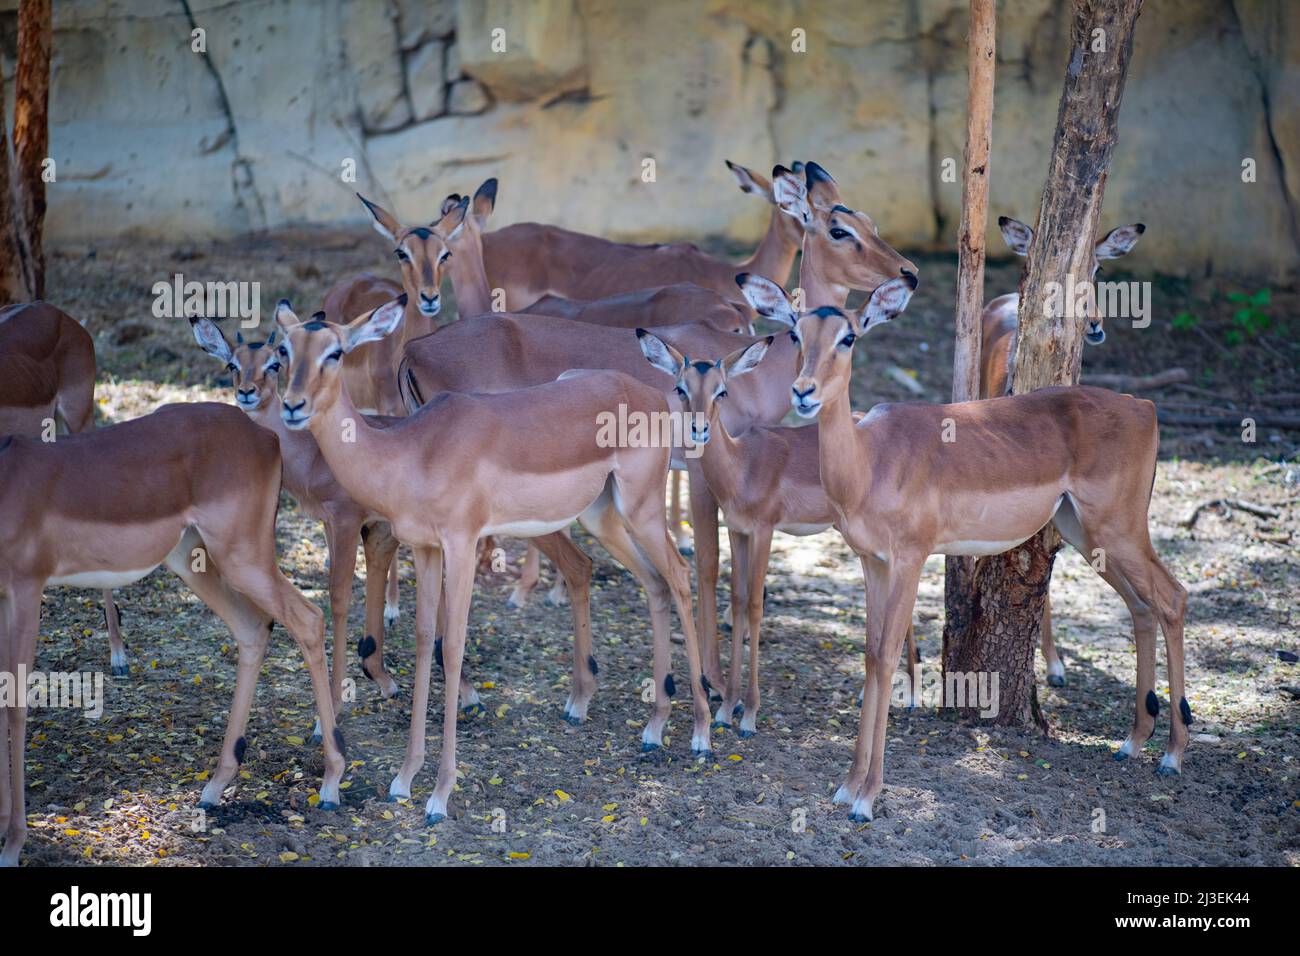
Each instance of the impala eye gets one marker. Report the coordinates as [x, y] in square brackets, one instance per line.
[273, 367]
[848, 340]
[334, 356]
[794, 338]
[402, 256]
[721, 394]
[838, 233]
[232, 367]
[445, 256]
[682, 392]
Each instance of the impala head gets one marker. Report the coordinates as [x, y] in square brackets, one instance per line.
[826, 335]
[787, 227]
[1114, 244]
[840, 245]
[464, 219]
[314, 350]
[701, 385]
[254, 366]
[421, 252]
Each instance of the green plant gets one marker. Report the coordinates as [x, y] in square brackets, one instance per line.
[1185, 322]
[1250, 319]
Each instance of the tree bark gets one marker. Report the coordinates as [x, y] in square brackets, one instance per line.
[12, 288]
[32, 137]
[981, 49]
[1011, 588]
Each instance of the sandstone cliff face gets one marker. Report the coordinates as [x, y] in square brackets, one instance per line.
[565, 100]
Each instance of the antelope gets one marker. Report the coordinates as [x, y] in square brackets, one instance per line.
[47, 374]
[255, 372]
[503, 351]
[83, 512]
[660, 305]
[998, 325]
[1081, 458]
[766, 480]
[530, 260]
[524, 464]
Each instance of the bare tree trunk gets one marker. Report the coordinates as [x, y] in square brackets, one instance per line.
[1010, 589]
[12, 288]
[32, 136]
[959, 572]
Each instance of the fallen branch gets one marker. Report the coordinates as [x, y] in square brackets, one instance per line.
[1228, 421]
[1261, 511]
[1138, 383]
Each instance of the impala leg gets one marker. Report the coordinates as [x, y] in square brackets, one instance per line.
[680, 537]
[704, 521]
[528, 577]
[470, 703]
[913, 658]
[730, 706]
[460, 587]
[392, 607]
[117, 647]
[891, 596]
[760, 551]
[341, 534]
[574, 568]
[18, 651]
[428, 589]
[1170, 601]
[381, 565]
[1055, 669]
[557, 596]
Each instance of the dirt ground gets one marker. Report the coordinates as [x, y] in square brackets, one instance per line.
[533, 790]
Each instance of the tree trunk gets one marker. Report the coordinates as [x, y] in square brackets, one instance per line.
[31, 137]
[12, 288]
[1010, 589]
[959, 572]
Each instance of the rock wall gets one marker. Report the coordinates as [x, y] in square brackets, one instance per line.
[259, 131]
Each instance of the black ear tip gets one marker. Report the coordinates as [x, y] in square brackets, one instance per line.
[283, 302]
[318, 316]
[779, 170]
[771, 339]
[401, 299]
[488, 189]
[1003, 221]
[641, 333]
[730, 164]
[742, 278]
[912, 280]
[1140, 227]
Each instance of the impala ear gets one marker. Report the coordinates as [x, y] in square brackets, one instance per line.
[1119, 241]
[1018, 236]
[790, 193]
[374, 324]
[485, 200]
[743, 360]
[885, 304]
[822, 189]
[448, 204]
[750, 181]
[285, 317]
[271, 341]
[384, 223]
[767, 298]
[453, 219]
[211, 339]
[660, 354]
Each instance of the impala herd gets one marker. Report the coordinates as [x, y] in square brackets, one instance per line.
[393, 430]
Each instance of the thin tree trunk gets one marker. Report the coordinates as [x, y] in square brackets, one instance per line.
[12, 288]
[959, 572]
[32, 137]
[1011, 588]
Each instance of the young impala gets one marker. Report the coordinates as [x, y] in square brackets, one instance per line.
[525, 464]
[998, 324]
[501, 352]
[1082, 458]
[255, 372]
[765, 480]
[47, 374]
[194, 487]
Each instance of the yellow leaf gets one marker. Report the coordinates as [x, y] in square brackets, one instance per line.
[489, 684]
[201, 775]
[288, 856]
[516, 855]
[608, 819]
[295, 740]
[495, 781]
[644, 821]
[562, 795]
[313, 799]
[610, 806]
[71, 832]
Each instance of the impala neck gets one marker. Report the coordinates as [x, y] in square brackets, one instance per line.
[843, 453]
[722, 464]
[774, 256]
[818, 290]
[354, 463]
[469, 279]
[763, 396]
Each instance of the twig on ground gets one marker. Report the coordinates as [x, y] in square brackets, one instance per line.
[1261, 511]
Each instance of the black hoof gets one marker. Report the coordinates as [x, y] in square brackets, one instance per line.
[859, 818]
[738, 710]
[571, 720]
[327, 805]
[719, 725]
[746, 734]
[314, 739]
[706, 754]
[432, 818]
[121, 670]
[1120, 756]
[391, 798]
[687, 551]
[649, 748]
[205, 805]
[1167, 771]
[1055, 680]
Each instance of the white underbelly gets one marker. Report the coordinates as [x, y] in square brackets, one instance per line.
[99, 579]
[802, 530]
[528, 529]
[978, 548]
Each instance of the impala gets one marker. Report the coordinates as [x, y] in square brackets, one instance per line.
[998, 324]
[1081, 458]
[525, 464]
[502, 352]
[765, 480]
[255, 373]
[47, 374]
[193, 487]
